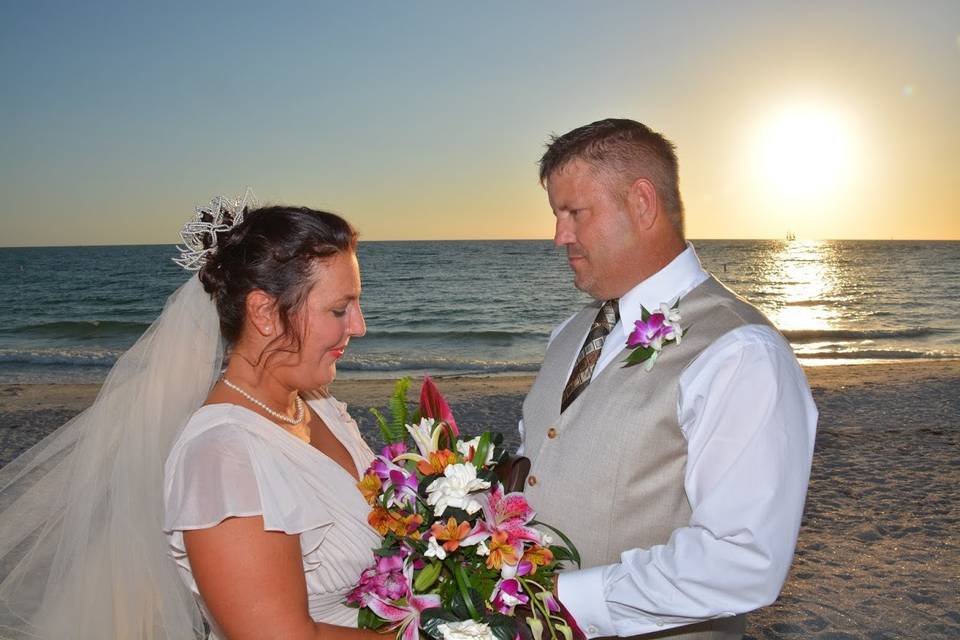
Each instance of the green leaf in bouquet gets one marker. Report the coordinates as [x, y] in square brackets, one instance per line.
[399, 410]
[382, 424]
[425, 483]
[572, 548]
[490, 475]
[466, 602]
[459, 514]
[562, 554]
[427, 576]
[502, 627]
[480, 455]
[367, 619]
[394, 429]
[462, 606]
[431, 619]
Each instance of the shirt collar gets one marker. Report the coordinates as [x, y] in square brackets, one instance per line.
[668, 285]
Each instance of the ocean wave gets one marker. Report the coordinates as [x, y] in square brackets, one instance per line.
[819, 335]
[879, 354]
[435, 364]
[809, 303]
[79, 329]
[57, 358]
[456, 335]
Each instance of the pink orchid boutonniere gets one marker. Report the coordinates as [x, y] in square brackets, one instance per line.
[651, 333]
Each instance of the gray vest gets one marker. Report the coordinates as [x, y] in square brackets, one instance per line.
[609, 472]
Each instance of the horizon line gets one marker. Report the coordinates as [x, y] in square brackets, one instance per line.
[173, 244]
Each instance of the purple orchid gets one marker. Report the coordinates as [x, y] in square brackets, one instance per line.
[391, 451]
[381, 467]
[507, 595]
[553, 605]
[650, 333]
[404, 488]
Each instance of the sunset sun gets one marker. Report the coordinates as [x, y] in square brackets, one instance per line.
[805, 152]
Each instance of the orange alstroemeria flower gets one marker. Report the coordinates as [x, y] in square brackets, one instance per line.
[409, 525]
[370, 486]
[403, 525]
[537, 556]
[500, 551]
[438, 461]
[381, 520]
[451, 534]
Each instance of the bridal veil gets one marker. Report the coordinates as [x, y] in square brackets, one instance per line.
[82, 550]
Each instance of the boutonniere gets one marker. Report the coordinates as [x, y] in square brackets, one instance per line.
[652, 332]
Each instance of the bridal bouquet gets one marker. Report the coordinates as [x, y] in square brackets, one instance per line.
[460, 559]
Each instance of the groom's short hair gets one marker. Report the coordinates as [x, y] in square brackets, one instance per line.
[622, 150]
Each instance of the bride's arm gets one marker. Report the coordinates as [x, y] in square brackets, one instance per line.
[252, 583]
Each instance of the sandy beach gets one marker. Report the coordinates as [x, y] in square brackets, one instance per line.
[879, 552]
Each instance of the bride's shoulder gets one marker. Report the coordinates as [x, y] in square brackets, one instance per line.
[214, 425]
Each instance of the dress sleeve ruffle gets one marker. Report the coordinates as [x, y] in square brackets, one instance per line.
[225, 471]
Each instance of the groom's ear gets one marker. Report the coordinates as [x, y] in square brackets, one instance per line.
[642, 202]
[261, 310]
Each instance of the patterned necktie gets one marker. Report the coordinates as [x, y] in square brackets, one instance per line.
[606, 319]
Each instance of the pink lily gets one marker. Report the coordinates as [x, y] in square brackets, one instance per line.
[404, 614]
[508, 513]
[434, 405]
[384, 579]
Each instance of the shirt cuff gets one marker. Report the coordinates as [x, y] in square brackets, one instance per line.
[582, 593]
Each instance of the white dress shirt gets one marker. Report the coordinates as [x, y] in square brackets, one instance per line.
[746, 412]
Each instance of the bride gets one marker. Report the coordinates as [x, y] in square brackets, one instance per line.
[254, 523]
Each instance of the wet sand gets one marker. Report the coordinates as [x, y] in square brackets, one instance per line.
[879, 551]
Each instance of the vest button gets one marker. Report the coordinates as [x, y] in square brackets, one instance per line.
[532, 481]
[551, 433]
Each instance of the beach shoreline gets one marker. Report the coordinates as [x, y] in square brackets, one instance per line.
[878, 554]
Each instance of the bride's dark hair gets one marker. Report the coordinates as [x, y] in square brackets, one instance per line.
[274, 249]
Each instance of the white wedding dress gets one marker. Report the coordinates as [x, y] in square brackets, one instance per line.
[230, 461]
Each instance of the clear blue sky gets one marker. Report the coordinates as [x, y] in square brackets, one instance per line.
[425, 119]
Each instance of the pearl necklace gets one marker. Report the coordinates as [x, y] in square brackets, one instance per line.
[297, 419]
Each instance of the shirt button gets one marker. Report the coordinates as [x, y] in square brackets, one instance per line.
[592, 630]
[551, 433]
[532, 481]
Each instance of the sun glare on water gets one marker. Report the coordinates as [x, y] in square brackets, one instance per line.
[805, 152]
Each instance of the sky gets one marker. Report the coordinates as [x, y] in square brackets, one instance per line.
[425, 120]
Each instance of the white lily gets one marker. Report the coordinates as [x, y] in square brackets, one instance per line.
[422, 435]
[464, 446]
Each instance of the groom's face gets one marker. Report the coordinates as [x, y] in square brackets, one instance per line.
[595, 228]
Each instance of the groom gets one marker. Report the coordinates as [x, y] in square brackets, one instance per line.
[682, 485]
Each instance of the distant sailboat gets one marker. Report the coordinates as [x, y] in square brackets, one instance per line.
[791, 236]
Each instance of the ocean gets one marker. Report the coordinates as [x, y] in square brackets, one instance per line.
[487, 307]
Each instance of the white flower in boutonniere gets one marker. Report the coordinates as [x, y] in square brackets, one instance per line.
[652, 332]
